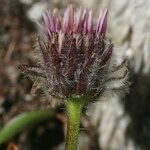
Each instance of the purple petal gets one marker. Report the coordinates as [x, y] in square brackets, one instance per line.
[86, 16]
[90, 23]
[102, 22]
[50, 22]
[78, 20]
[68, 19]
[58, 19]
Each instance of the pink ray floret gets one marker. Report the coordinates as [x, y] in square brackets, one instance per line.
[80, 21]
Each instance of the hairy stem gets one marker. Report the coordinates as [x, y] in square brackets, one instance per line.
[74, 108]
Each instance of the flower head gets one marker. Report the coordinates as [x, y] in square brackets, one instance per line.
[75, 58]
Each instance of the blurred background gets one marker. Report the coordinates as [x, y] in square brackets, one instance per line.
[115, 123]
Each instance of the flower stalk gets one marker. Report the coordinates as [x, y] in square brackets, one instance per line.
[74, 109]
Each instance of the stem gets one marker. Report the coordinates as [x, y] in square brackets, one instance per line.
[74, 108]
[23, 121]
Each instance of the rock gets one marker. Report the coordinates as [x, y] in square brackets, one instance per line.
[36, 11]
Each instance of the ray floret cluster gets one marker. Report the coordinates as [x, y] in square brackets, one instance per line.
[74, 57]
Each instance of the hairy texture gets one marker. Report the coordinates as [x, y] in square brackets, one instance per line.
[74, 59]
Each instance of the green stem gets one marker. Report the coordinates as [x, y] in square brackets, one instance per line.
[23, 121]
[74, 108]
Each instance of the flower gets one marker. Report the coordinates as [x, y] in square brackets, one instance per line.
[75, 57]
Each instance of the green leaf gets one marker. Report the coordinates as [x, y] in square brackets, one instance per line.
[22, 121]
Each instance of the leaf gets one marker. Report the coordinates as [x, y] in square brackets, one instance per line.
[22, 121]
